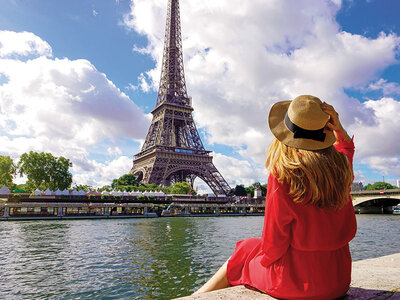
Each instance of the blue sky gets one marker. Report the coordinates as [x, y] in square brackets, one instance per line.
[79, 78]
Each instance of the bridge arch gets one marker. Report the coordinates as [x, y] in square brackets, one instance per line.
[376, 201]
[375, 205]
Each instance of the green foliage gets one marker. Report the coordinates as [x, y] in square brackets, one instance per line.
[26, 187]
[180, 188]
[240, 190]
[7, 171]
[86, 188]
[151, 187]
[104, 188]
[141, 188]
[379, 186]
[250, 190]
[128, 183]
[124, 181]
[45, 171]
[264, 189]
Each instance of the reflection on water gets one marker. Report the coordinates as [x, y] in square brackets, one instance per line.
[140, 258]
[377, 235]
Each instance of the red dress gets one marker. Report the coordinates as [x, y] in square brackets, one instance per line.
[304, 250]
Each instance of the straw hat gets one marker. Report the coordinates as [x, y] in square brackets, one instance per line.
[301, 123]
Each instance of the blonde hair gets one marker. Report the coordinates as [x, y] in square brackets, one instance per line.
[325, 176]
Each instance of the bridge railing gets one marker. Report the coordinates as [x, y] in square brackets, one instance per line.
[377, 192]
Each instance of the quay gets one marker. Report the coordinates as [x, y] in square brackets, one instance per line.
[375, 278]
[30, 207]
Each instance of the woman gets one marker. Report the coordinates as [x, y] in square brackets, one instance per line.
[309, 217]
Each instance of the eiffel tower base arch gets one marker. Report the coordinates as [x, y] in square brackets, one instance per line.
[164, 169]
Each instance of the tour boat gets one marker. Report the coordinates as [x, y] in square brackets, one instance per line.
[175, 211]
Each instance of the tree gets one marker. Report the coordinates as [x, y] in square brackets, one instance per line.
[104, 188]
[379, 186]
[45, 171]
[240, 190]
[264, 189]
[7, 171]
[180, 188]
[151, 187]
[250, 190]
[124, 181]
[83, 187]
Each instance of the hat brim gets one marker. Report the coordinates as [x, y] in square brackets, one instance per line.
[283, 134]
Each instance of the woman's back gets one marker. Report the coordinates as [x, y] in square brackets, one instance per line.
[303, 252]
[309, 217]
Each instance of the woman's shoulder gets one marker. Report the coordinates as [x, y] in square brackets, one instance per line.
[342, 145]
[278, 191]
[346, 147]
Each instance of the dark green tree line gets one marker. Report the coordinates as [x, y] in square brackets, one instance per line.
[129, 183]
[379, 186]
[241, 190]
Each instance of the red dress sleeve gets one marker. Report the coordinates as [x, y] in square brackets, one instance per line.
[279, 215]
[346, 148]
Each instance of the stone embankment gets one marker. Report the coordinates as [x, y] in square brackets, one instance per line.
[375, 278]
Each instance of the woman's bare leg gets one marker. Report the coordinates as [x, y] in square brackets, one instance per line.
[217, 282]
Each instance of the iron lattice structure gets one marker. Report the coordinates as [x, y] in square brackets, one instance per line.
[173, 150]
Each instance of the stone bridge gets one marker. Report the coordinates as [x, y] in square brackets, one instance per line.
[375, 201]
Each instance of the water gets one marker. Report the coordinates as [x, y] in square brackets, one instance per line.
[140, 258]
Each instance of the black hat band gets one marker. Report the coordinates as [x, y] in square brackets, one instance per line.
[301, 133]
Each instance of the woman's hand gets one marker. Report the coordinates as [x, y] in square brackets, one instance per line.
[334, 123]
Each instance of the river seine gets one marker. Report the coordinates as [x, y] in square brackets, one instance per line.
[158, 258]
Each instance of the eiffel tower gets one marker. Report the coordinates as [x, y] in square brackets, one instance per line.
[173, 150]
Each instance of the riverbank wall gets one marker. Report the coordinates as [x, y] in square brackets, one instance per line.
[375, 278]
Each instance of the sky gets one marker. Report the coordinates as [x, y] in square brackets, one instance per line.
[79, 78]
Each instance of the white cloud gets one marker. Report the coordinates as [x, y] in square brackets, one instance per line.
[360, 176]
[141, 50]
[242, 56]
[237, 171]
[387, 88]
[377, 145]
[144, 85]
[385, 165]
[65, 100]
[101, 174]
[63, 106]
[22, 44]
[114, 150]
[131, 87]
[379, 137]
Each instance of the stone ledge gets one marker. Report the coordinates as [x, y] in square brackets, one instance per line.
[375, 278]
